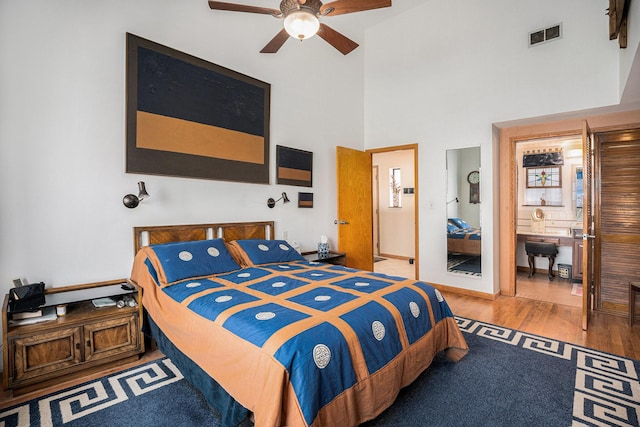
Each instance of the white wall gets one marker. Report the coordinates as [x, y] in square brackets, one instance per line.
[397, 225]
[630, 57]
[440, 74]
[62, 131]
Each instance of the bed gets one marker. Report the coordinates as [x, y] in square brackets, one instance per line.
[462, 238]
[260, 330]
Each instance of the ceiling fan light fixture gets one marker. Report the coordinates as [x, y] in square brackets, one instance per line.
[301, 24]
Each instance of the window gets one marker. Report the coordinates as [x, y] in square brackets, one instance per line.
[395, 188]
[548, 177]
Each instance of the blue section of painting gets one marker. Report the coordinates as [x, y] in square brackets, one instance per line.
[175, 88]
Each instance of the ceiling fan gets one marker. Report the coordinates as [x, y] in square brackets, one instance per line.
[301, 19]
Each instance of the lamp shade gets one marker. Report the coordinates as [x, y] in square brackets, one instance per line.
[301, 24]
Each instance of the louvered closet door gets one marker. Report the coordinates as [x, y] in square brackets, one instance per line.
[618, 225]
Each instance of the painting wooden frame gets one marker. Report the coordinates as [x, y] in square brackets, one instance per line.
[188, 117]
[294, 166]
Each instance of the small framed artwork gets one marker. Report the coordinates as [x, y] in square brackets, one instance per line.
[545, 177]
[305, 200]
[294, 167]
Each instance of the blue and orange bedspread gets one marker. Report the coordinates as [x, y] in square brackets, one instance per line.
[301, 343]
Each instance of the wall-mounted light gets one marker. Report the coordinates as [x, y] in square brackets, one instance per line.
[271, 203]
[131, 201]
[453, 200]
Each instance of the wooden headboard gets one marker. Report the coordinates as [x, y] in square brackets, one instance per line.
[157, 234]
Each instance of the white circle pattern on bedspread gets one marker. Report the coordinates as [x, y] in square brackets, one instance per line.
[415, 309]
[224, 298]
[378, 330]
[185, 256]
[278, 285]
[321, 355]
[264, 248]
[193, 284]
[321, 298]
[214, 252]
[439, 296]
[265, 315]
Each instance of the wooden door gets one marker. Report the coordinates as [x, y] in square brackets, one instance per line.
[354, 222]
[587, 225]
[111, 337]
[617, 193]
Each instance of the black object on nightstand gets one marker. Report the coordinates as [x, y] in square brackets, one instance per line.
[336, 258]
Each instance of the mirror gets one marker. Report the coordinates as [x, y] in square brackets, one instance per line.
[463, 211]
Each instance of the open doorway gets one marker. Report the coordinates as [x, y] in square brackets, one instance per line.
[548, 216]
[394, 211]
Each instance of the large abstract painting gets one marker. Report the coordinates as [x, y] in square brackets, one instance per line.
[188, 117]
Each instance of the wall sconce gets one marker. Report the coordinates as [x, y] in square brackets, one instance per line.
[131, 201]
[453, 200]
[271, 203]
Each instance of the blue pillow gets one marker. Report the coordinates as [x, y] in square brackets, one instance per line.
[452, 228]
[460, 223]
[258, 251]
[198, 258]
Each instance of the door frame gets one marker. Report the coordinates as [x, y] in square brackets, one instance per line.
[375, 196]
[416, 231]
[505, 213]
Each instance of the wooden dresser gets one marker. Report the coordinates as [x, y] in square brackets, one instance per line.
[83, 340]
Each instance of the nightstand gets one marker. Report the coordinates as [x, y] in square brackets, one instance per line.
[337, 258]
[86, 339]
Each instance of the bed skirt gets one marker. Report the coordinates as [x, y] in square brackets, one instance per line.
[231, 412]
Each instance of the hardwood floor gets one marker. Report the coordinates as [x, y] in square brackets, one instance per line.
[606, 333]
[611, 334]
[540, 288]
[558, 317]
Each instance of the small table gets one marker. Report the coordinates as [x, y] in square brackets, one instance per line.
[337, 258]
[633, 288]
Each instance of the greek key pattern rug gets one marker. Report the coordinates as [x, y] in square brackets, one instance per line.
[73, 404]
[607, 387]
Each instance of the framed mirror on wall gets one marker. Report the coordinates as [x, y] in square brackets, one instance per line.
[464, 237]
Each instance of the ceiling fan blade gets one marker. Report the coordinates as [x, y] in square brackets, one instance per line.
[218, 5]
[276, 42]
[337, 40]
[340, 7]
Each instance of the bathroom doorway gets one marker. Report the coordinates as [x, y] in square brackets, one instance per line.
[548, 210]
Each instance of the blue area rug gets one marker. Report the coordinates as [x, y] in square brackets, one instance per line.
[509, 378]
[465, 264]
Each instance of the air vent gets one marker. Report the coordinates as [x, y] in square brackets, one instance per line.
[545, 35]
